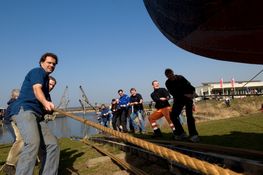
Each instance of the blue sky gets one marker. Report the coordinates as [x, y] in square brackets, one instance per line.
[103, 45]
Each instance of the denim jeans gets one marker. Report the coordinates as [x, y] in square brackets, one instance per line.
[36, 136]
[138, 114]
[104, 121]
[9, 127]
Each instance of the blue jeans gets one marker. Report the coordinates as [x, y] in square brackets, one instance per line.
[104, 121]
[37, 136]
[138, 114]
[9, 127]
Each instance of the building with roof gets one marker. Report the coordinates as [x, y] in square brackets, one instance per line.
[230, 88]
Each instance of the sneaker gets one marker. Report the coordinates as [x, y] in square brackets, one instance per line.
[194, 138]
[9, 169]
[182, 136]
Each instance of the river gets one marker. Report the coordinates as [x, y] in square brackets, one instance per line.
[62, 127]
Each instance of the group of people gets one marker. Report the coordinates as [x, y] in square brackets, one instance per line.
[124, 110]
[28, 106]
[183, 93]
[123, 113]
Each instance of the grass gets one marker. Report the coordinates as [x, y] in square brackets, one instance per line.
[73, 158]
[242, 132]
[75, 154]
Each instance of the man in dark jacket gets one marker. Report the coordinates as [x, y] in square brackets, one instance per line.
[183, 93]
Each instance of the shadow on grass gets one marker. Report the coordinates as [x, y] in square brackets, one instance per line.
[236, 139]
[67, 159]
[2, 163]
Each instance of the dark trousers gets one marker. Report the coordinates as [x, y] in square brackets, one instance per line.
[176, 111]
[123, 114]
[115, 121]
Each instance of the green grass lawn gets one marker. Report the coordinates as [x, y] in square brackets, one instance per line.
[73, 157]
[242, 132]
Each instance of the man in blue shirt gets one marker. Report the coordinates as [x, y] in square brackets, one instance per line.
[29, 109]
[124, 106]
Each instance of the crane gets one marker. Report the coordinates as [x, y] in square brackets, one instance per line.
[64, 101]
[85, 99]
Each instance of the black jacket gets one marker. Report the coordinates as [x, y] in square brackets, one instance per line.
[159, 93]
[179, 87]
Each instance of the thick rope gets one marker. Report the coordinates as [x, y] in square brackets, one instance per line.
[184, 160]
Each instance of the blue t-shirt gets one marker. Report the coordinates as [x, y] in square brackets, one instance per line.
[27, 98]
[124, 100]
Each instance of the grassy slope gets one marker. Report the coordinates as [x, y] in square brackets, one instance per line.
[243, 129]
[214, 109]
[244, 132]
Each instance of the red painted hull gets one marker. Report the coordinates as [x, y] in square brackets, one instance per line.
[229, 30]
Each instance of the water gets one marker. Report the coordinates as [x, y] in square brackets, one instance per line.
[62, 127]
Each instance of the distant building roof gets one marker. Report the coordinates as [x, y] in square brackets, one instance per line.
[238, 82]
